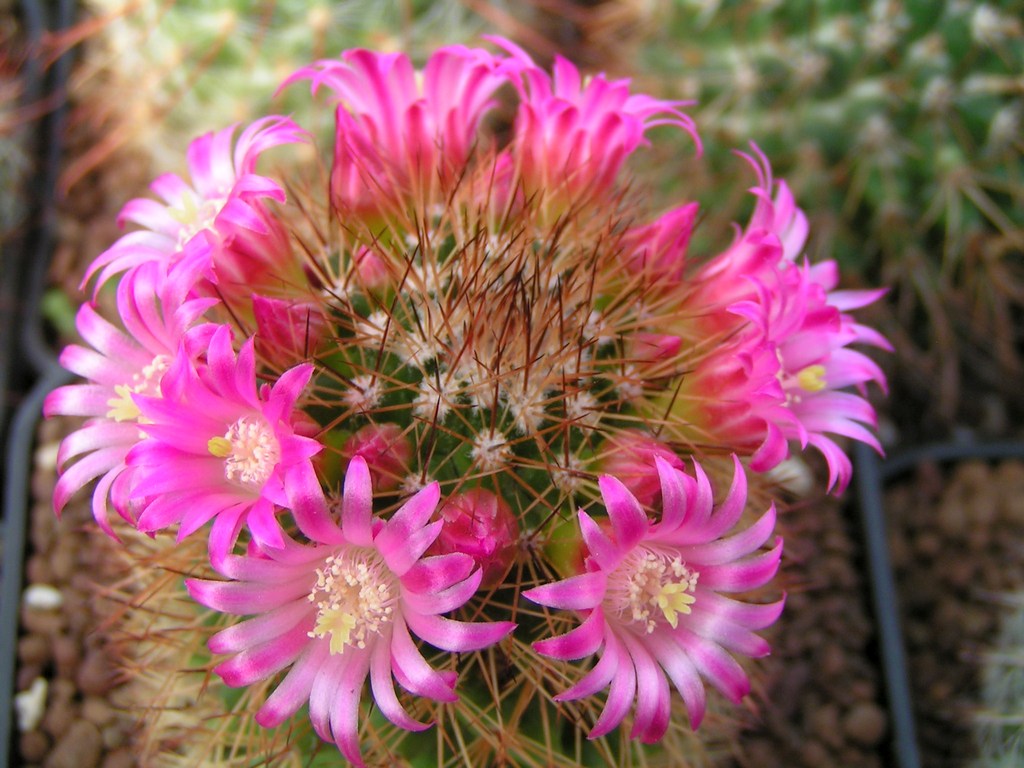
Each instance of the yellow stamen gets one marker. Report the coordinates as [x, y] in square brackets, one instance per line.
[122, 407]
[674, 599]
[812, 378]
[219, 447]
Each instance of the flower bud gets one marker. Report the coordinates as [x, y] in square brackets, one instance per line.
[481, 525]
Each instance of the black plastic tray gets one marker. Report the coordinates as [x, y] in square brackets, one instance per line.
[28, 362]
[871, 476]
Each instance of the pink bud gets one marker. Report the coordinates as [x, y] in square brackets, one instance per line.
[286, 331]
[479, 524]
[630, 459]
[371, 269]
[386, 450]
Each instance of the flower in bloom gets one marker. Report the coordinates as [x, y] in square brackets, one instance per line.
[802, 321]
[218, 449]
[480, 524]
[784, 356]
[571, 136]
[651, 600]
[121, 364]
[344, 609]
[225, 193]
[398, 135]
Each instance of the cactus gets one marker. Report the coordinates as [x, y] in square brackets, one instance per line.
[157, 73]
[999, 729]
[899, 123]
[452, 364]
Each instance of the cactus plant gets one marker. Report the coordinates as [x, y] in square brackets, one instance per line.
[456, 364]
[999, 729]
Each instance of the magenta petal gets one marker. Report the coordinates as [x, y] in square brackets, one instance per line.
[745, 574]
[673, 494]
[383, 689]
[413, 671]
[600, 547]
[683, 674]
[431, 574]
[620, 695]
[401, 540]
[323, 694]
[293, 691]
[450, 598]
[357, 503]
[716, 666]
[240, 598]
[577, 593]
[733, 547]
[653, 701]
[308, 505]
[596, 679]
[345, 708]
[263, 660]
[451, 635]
[576, 643]
[261, 628]
[628, 519]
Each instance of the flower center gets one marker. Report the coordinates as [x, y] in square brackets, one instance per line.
[145, 382]
[648, 586]
[195, 215]
[812, 378]
[354, 595]
[250, 451]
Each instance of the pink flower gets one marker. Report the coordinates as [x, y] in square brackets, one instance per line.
[802, 321]
[396, 137]
[121, 363]
[193, 219]
[571, 136]
[480, 524]
[218, 449]
[650, 601]
[785, 353]
[345, 609]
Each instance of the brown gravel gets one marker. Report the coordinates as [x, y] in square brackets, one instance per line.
[61, 644]
[956, 542]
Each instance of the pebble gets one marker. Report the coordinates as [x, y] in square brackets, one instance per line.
[97, 711]
[34, 650]
[43, 597]
[30, 704]
[121, 758]
[824, 724]
[66, 654]
[59, 717]
[865, 723]
[80, 747]
[814, 753]
[33, 745]
[96, 674]
[41, 622]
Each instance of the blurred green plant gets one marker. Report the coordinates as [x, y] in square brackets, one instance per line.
[999, 729]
